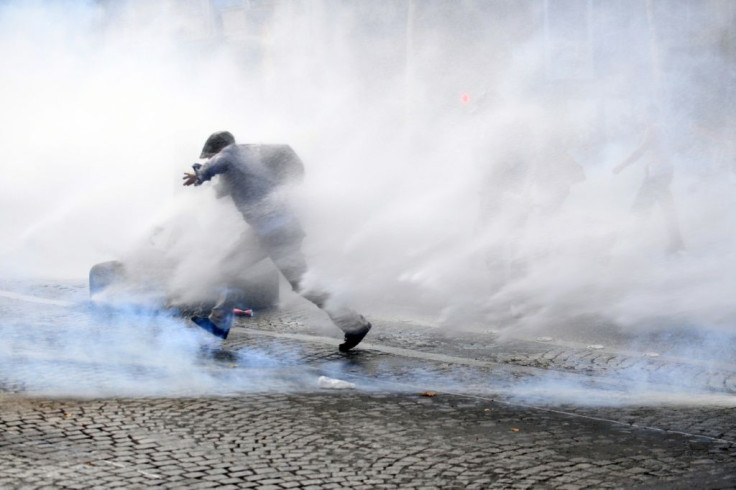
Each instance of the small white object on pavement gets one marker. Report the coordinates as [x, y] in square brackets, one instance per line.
[595, 347]
[334, 384]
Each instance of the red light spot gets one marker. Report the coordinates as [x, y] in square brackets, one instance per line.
[465, 98]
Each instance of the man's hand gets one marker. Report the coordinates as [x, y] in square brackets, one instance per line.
[190, 178]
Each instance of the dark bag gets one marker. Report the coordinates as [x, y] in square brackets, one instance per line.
[282, 161]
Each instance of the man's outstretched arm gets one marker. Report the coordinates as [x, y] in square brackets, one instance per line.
[203, 173]
[643, 147]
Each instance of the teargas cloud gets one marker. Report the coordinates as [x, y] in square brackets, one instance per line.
[532, 167]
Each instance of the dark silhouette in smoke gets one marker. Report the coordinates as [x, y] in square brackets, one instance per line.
[256, 177]
[655, 189]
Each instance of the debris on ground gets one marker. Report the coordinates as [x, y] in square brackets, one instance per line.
[428, 393]
[334, 384]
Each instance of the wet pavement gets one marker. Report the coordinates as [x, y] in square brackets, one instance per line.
[89, 403]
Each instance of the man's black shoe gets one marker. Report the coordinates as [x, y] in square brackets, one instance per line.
[352, 339]
[207, 324]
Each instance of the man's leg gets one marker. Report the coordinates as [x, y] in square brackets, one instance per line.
[667, 203]
[246, 254]
[291, 262]
[645, 198]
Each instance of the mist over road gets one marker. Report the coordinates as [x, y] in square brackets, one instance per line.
[471, 410]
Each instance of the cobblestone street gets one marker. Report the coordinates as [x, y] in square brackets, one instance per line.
[340, 441]
[428, 411]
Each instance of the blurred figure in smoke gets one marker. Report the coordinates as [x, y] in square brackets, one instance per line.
[656, 186]
[504, 211]
[530, 177]
[255, 177]
[525, 188]
[555, 172]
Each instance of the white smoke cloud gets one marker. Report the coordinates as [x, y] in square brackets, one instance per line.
[441, 142]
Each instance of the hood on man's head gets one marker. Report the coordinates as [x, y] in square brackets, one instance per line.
[216, 142]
